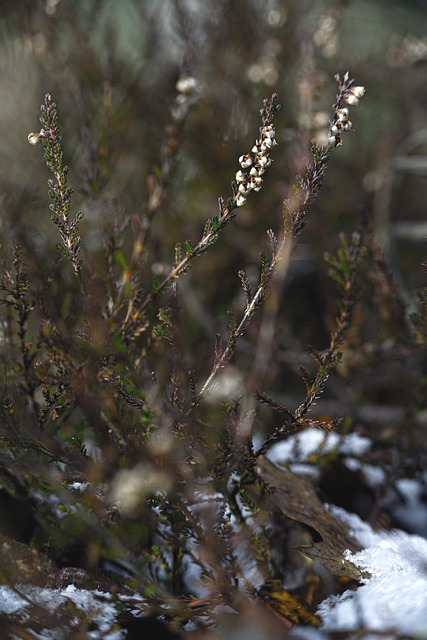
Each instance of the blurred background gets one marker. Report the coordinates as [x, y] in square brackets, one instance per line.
[112, 69]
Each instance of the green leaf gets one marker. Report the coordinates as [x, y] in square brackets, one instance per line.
[232, 325]
[156, 284]
[189, 249]
[120, 259]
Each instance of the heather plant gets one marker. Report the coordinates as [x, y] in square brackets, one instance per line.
[129, 474]
[118, 464]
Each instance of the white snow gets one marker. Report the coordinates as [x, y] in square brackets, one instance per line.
[97, 605]
[394, 598]
[299, 447]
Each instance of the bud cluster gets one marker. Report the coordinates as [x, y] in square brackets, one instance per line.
[187, 91]
[341, 124]
[251, 179]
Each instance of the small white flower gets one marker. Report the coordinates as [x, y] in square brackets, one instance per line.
[186, 84]
[245, 161]
[342, 114]
[240, 200]
[335, 141]
[256, 147]
[269, 142]
[240, 176]
[243, 188]
[352, 99]
[347, 126]
[256, 182]
[253, 171]
[336, 128]
[268, 132]
[35, 138]
[262, 167]
[358, 91]
[262, 160]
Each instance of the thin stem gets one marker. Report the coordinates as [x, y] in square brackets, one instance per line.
[286, 243]
[185, 262]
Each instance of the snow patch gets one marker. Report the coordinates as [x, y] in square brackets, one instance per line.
[394, 597]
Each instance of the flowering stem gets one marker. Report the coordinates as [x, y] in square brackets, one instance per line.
[305, 191]
[226, 213]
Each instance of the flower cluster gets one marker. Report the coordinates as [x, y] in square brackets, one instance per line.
[251, 180]
[348, 95]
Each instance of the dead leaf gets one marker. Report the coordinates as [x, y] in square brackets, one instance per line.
[288, 606]
[20, 564]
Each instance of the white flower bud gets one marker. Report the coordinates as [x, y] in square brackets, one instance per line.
[358, 91]
[335, 141]
[245, 161]
[342, 114]
[35, 138]
[347, 126]
[352, 99]
[256, 148]
[243, 188]
[268, 132]
[269, 142]
[336, 128]
[240, 176]
[186, 84]
[256, 182]
[240, 200]
[262, 160]
[253, 171]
